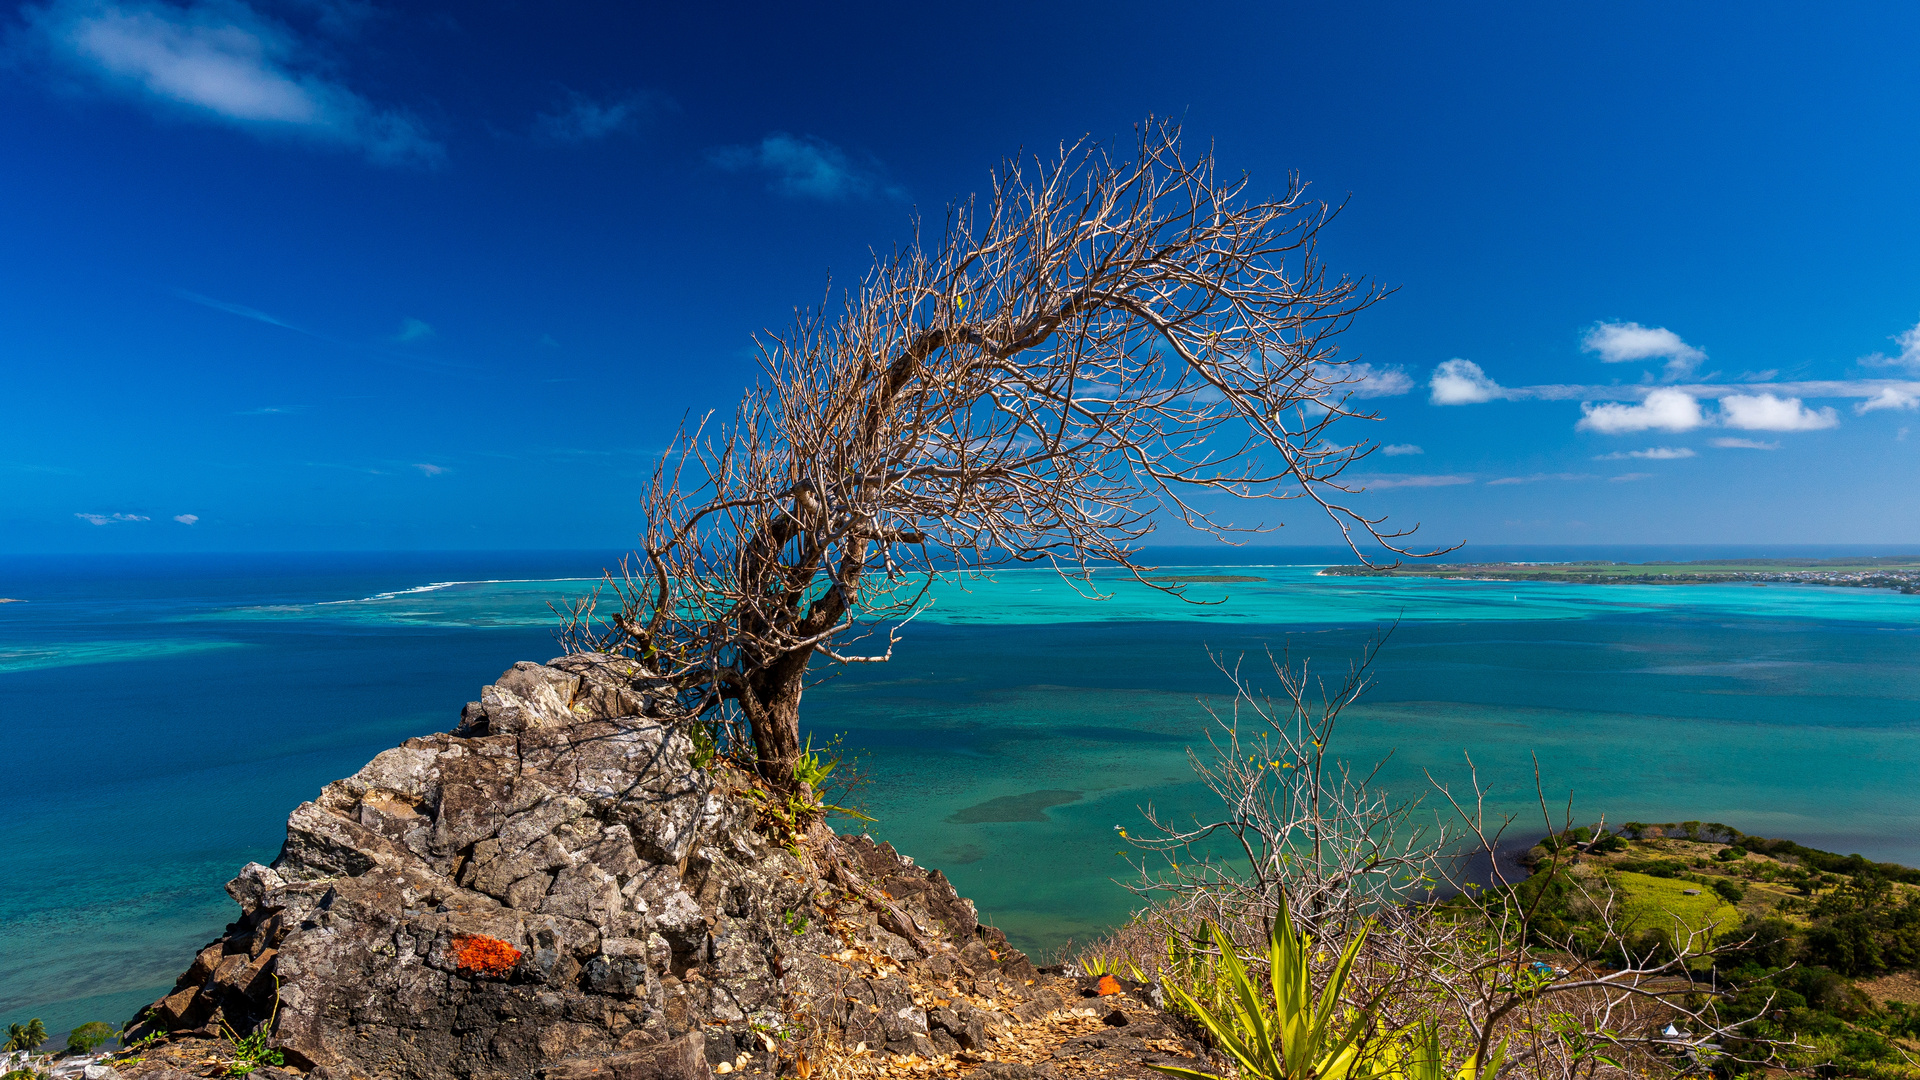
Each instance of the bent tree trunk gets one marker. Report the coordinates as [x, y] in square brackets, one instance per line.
[771, 702]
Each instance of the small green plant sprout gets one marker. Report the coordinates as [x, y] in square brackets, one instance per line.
[1284, 1034]
[815, 767]
[706, 748]
[27, 1036]
[87, 1038]
[250, 1051]
[132, 1051]
[797, 921]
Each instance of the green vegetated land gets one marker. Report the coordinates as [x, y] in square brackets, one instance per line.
[1899, 572]
[1825, 948]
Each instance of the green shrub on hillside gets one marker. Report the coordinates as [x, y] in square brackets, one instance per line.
[87, 1037]
[1864, 928]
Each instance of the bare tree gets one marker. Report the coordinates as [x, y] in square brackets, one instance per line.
[1100, 340]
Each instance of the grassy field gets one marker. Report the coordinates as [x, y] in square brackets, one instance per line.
[1652, 903]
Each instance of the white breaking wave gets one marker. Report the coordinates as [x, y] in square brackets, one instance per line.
[432, 586]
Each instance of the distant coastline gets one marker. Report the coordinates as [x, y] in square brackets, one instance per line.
[1900, 573]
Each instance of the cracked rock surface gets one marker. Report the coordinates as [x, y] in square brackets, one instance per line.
[660, 930]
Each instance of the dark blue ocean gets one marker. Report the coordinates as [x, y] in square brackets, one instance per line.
[162, 715]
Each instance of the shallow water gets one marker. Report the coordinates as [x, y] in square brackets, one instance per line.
[165, 715]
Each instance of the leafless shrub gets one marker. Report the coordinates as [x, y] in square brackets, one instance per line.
[1297, 826]
[1302, 828]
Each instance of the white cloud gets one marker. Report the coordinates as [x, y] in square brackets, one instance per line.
[1745, 444]
[110, 519]
[1382, 483]
[1909, 358]
[580, 118]
[186, 519]
[1365, 380]
[1627, 478]
[1812, 388]
[1619, 343]
[430, 470]
[1889, 398]
[1652, 453]
[807, 167]
[1398, 449]
[1665, 409]
[1537, 477]
[412, 330]
[220, 60]
[1765, 412]
[1461, 382]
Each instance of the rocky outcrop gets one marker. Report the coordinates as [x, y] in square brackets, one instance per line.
[555, 890]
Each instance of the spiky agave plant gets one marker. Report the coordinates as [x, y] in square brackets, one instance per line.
[1418, 1055]
[1285, 1033]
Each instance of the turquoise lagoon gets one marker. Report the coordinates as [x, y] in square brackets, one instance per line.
[165, 715]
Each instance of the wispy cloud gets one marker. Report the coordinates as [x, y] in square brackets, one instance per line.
[1382, 483]
[577, 118]
[111, 519]
[1744, 444]
[1665, 409]
[1398, 449]
[186, 519]
[413, 331]
[268, 410]
[1627, 478]
[1536, 478]
[221, 61]
[1652, 453]
[1365, 380]
[430, 470]
[807, 167]
[1765, 412]
[1909, 355]
[1889, 397]
[1461, 382]
[241, 310]
[1620, 343]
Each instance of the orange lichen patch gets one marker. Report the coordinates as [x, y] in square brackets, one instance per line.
[484, 955]
[1108, 985]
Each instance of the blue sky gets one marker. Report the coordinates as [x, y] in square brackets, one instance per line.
[310, 274]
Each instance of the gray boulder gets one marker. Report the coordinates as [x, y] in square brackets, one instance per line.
[555, 890]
